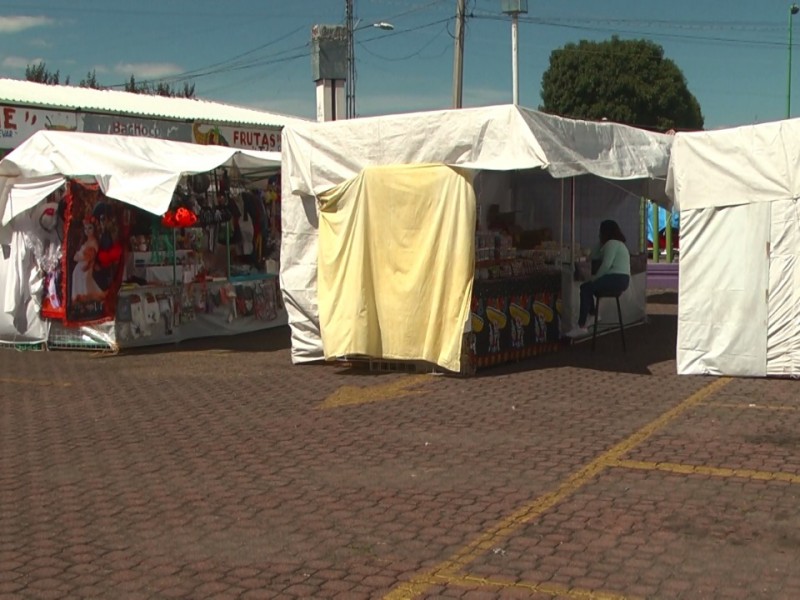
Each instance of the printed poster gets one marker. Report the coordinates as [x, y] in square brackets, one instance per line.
[94, 254]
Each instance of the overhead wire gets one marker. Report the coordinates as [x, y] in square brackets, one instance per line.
[418, 52]
[697, 38]
[231, 64]
[246, 60]
[236, 63]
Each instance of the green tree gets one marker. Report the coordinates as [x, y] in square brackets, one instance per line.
[626, 81]
[135, 88]
[159, 89]
[40, 74]
[91, 81]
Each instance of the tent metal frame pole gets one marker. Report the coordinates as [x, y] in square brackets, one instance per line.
[572, 220]
[561, 228]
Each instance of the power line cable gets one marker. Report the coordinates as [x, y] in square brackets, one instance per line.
[224, 67]
[695, 38]
[417, 52]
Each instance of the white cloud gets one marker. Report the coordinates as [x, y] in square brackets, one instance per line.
[40, 43]
[20, 62]
[147, 70]
[21, 23]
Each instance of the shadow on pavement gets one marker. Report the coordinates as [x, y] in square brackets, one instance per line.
[648, 344]
[266, 340]
[663, 297]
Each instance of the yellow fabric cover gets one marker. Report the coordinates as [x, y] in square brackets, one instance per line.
[396, 264]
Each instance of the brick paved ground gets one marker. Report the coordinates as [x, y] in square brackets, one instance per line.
[218, 470]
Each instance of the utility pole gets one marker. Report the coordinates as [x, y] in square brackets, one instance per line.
[514, 8]
[350, 85]
[793, 10]
[458, 62]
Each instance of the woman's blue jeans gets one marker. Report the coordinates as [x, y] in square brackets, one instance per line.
[607, 285]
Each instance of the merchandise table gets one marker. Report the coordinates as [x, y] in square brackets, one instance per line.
[156, 315]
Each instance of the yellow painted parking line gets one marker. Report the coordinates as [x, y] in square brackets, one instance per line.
[684, 469]
[752, 406]
[351, 395]
[552, 589]
[35, 382]
[451, 567]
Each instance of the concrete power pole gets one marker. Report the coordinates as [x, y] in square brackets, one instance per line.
[458, 62]
[514, 8]
[329, 70]
[351, 62]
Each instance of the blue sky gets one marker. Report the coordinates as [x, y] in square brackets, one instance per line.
[256, 53]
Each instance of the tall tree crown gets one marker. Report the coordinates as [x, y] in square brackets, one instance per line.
[626, 81]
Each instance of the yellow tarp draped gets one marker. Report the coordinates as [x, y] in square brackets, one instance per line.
[396, 263]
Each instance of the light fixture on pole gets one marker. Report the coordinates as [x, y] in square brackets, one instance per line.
[350, 84]
[793, 10]
[514, 8]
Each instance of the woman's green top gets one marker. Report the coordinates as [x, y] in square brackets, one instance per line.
[616, 260]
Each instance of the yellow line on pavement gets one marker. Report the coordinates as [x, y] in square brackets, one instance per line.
[552, 589]
[35, 382]
[451, 567]
[752, 405]
[351, 395]
[684, 469]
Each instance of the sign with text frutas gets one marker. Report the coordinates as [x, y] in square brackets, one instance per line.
[247, 138]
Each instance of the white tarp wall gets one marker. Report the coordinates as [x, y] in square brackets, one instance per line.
[318, 156]
[737, 191]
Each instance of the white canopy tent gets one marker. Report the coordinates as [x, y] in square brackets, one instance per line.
[499, 139]
[139, 171]
[737, 191]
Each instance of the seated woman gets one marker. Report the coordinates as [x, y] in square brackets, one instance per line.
[612, 277]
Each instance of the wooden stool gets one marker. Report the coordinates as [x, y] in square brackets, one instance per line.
[597, 317]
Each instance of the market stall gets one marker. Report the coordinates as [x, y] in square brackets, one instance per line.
[532, 189]
[737, 192]
[122, 241]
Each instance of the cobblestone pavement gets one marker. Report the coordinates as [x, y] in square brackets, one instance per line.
[216, 469]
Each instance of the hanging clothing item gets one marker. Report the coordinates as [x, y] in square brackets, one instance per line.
[257, 211]
[20, 289]
[245, 228]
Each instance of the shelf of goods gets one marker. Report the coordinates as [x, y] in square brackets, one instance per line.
[513, 317]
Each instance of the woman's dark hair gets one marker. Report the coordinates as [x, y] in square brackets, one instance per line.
[609, 230]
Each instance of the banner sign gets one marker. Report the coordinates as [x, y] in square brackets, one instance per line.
[512, 319]
[246, 138]
[153, 128]
[96, 228]
[18, 123]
